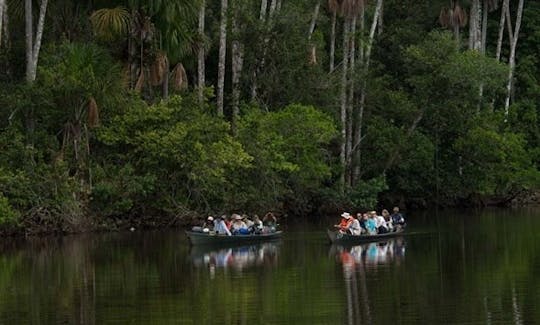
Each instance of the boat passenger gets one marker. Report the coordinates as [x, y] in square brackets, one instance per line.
[397, 219]
[238, 226]
[220, 227]
[269, 222]
[345, 222]
[257, 225]
[208, 225]
[388, 220]
[247, 221]
[362, 218]
[381, 223]
[371, 224]
[354, 227]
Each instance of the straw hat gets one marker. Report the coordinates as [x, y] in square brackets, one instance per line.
[346, 215]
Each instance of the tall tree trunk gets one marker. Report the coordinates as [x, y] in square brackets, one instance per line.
[350, 100]
[485, 13]
[165, 83]
[260, 66]
[237, 65]
[5, 27]
[2, 6]
[222, 56]
[264, 8]
[474, 26]
[381, 21]
[343, 112]
[29, 34]
[314, 19]
[512, 60]
[367, 57]
[200, 55]
[333, 42]
[33, 45]
[504, 9]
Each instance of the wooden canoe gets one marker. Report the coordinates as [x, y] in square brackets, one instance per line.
[339, 238]
[201, 238]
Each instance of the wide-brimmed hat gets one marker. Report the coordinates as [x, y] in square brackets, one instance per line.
[346, 215]
[237, 217]
[210, 218]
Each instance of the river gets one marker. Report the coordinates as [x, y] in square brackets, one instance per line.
[453, 267]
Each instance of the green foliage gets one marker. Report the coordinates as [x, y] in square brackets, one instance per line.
[8, 216]
[365, 194]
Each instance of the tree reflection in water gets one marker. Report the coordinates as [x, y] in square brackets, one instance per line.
[235, 257]
[355, 261]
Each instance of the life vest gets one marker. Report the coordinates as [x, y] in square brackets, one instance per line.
[344, 224]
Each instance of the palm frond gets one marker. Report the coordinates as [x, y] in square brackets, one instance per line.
[179, 78]
[93, 113]
[109, 23]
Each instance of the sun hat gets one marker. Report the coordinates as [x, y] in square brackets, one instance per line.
[210, 218]
[237, 217]
[346, 215]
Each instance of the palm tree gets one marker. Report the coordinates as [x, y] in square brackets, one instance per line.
[164, 26]
[453, 18]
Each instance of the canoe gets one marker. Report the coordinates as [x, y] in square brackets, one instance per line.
[201, 238]
[338, 238]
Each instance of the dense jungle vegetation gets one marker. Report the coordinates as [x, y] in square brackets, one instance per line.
[148, 112]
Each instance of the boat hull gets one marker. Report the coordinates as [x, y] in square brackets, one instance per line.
[338, 238]
[199, 238]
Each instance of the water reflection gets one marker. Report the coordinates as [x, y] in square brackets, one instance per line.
[235, 257]
[356, 262]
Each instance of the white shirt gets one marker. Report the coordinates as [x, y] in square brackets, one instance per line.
[381, 222]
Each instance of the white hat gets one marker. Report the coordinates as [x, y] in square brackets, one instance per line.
[346, 215]
[210, 218]
[237, 217]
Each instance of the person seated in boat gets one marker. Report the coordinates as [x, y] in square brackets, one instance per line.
[257, 227]
[208, 225]
[238, 226]
[345, 222]
[269, 222]
[381, 223]
[397, 219]
[220, 227]
[371, 224]
[354, 227]
[388, 220]
[362, 218]
[247, 221]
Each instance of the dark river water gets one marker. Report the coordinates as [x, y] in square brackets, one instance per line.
[471, 267]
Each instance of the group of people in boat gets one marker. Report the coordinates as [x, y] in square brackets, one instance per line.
[369, 223]
[236, 224]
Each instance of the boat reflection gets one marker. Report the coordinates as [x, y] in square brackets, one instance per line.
[371, 254]
[357, 261]
[236, 257]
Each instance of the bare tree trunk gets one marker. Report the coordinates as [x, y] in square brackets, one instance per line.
[504, 10]
[512, 60]
[200, 55]
[366, 57]
[484, 26]
[5, 27]
[33, 45]
[29, 32]
[381, 21]
[314, 19]
[260, 67]
[343, 112]
[350, 101]
[2, 6]
[278, 6]
[237, 65]
[474, 26]
[165, 83]
[333, 42]
[264, 7]
[222, 56]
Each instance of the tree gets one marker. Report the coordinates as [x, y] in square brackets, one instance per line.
[33, 41]
[512, 59]
[222, 56]
[200, 54]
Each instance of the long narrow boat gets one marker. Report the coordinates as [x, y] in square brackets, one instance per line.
[339, 238]
[201, 238]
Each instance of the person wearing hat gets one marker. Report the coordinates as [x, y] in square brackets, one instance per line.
[345, 222]
[238, 226]
[208, 225]
[220, 227]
